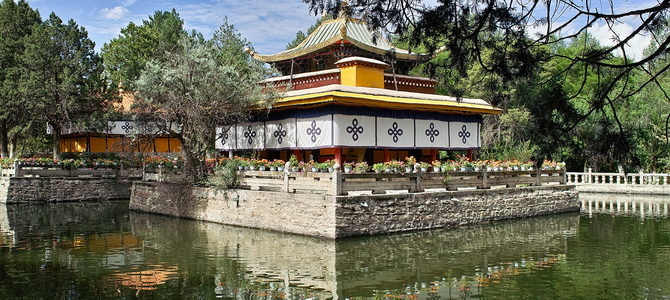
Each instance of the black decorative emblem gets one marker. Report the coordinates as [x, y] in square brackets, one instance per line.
[354, 129]
[395, 132]
[432, 132]
[280, 133]
[250, 134]
[464, 134]
[223, 136]
[313, 131]
[127, 127]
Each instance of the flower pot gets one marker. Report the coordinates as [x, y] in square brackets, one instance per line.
[424, 170]
[408, 170]
[252, 168]
[240, 167]
[523, 168]
[315, 170]
[280, 169]
[389, 170]
[489, 169]
[262, 168]
[464, 169]
[436, 169]
[273, 169]
[478, 169]
[331, 169]
[515, 168]
[295, 169]
[378, 171]
[347, 169]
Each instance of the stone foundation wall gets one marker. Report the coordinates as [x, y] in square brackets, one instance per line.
[52, 189]
[308, 214]
[379, 214]
[343, 216]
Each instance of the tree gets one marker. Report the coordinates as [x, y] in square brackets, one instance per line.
[197, 86]
[126, 55]
[16, 23]
[494, 35]
[62, 83]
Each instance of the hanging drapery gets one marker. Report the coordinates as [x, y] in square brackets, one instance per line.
[354, 131]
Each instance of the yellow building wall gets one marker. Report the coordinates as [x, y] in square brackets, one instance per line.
[119, 144]
[98, 144]
[362, 76]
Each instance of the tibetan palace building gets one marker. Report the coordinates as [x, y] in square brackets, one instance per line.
[341, 101]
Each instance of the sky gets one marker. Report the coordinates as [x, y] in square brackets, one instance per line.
[269, 24]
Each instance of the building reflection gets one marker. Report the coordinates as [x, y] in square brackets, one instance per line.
[132, 253]
[448, 264]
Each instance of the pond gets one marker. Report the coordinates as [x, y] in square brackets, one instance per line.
[101, 250]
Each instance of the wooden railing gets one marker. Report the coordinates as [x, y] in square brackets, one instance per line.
[640, 178]
[18, 170]
[338, 183]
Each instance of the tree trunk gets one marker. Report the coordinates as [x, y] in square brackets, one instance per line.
[191, 163]
[56, 141]
[15, 144]
[4, 140]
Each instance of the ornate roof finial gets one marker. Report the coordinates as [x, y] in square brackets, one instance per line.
[345, 10]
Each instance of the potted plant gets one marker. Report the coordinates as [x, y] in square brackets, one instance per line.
[313, 166]
[328, 165]
[379, 167]
[409, 163]
[437, 165]
[361, 167]
[424, 166]
[348, 167]
[293, 162]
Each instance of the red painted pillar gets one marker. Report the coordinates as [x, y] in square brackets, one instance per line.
[338, 155]
[433, 154]
[387, 155]
[470, 154]
[297, 154]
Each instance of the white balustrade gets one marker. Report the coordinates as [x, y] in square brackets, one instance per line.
[640, 178]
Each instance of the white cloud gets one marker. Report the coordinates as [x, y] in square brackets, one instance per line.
[115, 13]
[605, 35]
[128, 2]
[608, 37]
[269, 25]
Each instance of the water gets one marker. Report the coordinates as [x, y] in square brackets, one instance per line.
[100, 250]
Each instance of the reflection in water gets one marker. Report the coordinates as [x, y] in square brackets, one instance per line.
[100, 250]
[624, 204]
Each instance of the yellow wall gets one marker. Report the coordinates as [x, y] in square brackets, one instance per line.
[98, 144]
[362, 76]
[119, 144]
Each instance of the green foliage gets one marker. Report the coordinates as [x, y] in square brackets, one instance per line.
[197, 86]
[17, 21]
[126, 56]
[62, 82]
[226, 175]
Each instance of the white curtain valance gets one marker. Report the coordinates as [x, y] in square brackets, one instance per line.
[355, 131]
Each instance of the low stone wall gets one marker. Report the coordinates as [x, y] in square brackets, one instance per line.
[55, 189]
[308, 214]
[343, 216]
[378, 214]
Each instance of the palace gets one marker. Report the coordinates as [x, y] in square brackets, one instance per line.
[347, 96]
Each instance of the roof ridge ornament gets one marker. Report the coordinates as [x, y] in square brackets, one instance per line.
[345, 10]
